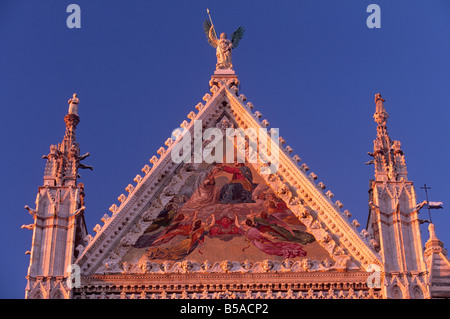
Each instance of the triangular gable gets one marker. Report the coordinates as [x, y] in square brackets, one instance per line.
[304, 198]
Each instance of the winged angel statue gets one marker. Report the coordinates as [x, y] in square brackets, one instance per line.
[222, 45]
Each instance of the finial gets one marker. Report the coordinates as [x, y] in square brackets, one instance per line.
[380, 115]
[432, 231]
[388, 156]
[73, 104]
[378, 98]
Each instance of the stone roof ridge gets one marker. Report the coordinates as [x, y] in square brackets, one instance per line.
[226, 266]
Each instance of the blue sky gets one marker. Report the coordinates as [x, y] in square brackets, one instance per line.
[311, 68]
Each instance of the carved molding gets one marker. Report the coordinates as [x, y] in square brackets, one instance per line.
[305, 285]
[44, 287]
[248, 294]
[225, 266]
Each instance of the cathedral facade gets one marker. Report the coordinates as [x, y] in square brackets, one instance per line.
[201, 224]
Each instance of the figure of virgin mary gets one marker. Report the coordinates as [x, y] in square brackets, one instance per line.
[239, 189]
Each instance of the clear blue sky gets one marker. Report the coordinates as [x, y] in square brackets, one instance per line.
[311, 68]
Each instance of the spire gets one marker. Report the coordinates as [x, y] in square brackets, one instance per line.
[388, 157]
[59, 226]
[433, 244]
[393, 221]
[438, 265]
[64, 159]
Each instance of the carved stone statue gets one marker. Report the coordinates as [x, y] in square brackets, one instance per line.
[73, 104]
[379, 102]
[222, 45]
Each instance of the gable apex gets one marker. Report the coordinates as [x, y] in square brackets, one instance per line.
[162, 180]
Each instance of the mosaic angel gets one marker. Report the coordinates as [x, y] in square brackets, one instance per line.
[268, 243]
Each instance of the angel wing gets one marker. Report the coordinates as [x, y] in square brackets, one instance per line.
[206, 27]
[237, 36]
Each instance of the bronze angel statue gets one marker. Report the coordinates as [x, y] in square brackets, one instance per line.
[222, 45]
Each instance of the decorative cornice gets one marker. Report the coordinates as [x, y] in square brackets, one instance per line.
[226, 266]
[306, 285]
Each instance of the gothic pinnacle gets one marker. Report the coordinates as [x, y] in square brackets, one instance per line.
[380, 115]
[387, 154]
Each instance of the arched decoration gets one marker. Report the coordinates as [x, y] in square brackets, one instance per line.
[396, 292]
[417, 293]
